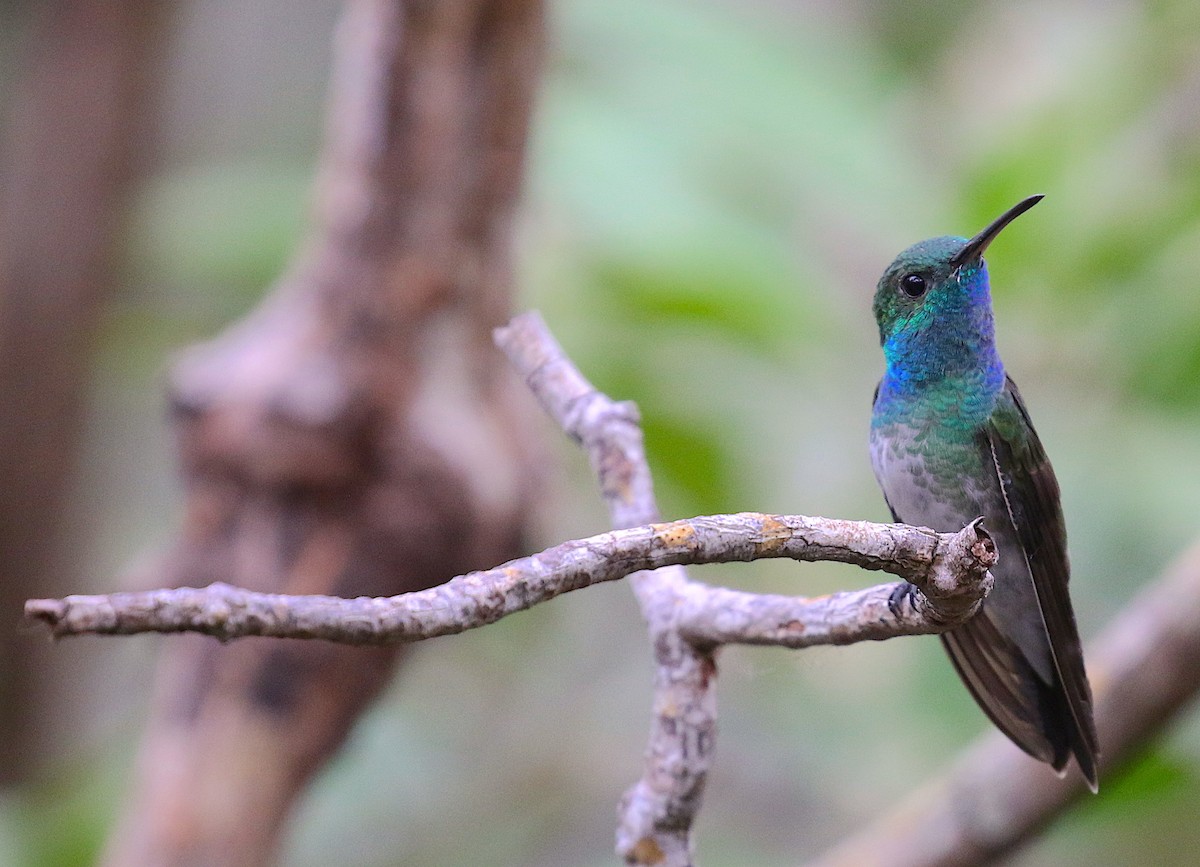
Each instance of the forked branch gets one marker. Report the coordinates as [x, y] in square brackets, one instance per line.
[687, 620]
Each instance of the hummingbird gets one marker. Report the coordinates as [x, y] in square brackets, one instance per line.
[951, 441]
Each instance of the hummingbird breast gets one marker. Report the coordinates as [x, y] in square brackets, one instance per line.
[932, 475]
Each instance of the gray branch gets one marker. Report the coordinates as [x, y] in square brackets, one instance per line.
[687, 620]
[949, 568]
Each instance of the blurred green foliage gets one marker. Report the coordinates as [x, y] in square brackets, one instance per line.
[713, 189]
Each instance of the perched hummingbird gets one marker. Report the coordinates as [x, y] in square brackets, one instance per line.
[951, 440]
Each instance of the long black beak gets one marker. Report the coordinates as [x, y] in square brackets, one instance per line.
[979, 243]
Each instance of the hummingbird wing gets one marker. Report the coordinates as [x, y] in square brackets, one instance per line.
[990, 650]
[1046, 710]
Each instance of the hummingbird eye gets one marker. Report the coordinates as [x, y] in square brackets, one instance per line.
[914, 285]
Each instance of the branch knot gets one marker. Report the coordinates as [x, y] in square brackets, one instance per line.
[958, 577]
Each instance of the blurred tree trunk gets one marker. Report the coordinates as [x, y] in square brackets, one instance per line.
[71, 146]
[357, 433]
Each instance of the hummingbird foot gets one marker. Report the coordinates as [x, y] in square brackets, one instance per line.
[904, 592]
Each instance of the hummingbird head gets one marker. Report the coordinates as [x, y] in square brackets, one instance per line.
[935, 295]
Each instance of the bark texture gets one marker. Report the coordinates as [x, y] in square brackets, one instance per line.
[352, 436]
[950, 569]
[70, 152]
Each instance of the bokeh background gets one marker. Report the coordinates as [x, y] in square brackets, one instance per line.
[713, 190]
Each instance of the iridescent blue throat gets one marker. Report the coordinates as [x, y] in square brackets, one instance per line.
[944, 353]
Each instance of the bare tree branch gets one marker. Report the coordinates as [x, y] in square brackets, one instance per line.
[1144, 669]
[950, 568]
